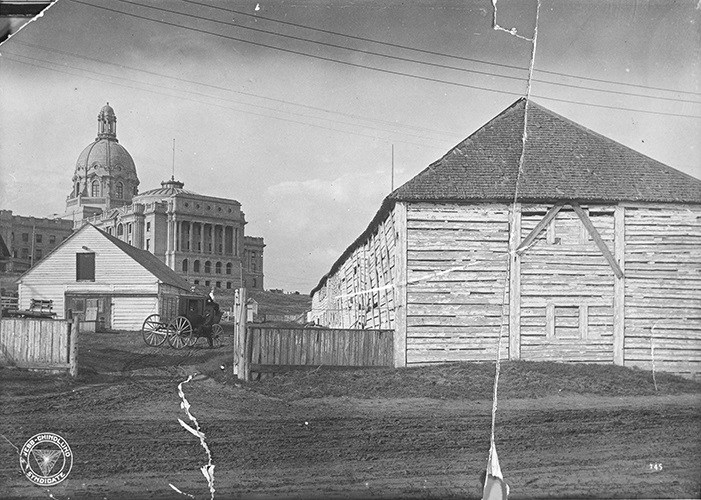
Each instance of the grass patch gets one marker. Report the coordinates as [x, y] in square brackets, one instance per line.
[471, 381]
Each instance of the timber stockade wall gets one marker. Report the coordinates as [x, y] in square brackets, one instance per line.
[280, 349]
[41, 344]
[606, 283]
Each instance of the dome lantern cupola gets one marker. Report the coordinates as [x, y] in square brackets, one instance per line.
[107, 123]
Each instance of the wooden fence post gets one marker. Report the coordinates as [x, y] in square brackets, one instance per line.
[73, 331]
[241, 344]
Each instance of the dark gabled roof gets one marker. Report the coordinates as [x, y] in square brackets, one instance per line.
[149, 262]
[562, 160]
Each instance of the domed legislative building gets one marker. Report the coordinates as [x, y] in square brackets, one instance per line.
[200, 237]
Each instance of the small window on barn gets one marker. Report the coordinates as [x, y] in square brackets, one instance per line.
[567, 322]
[85, 267]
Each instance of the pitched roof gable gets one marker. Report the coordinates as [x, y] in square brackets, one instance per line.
[562, 160]
[148, 261]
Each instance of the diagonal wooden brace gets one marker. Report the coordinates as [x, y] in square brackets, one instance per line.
[549, 216]
[597, 239]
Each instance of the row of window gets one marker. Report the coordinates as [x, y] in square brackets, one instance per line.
[38, 238]
[207, 267]
[229, 285]
[96, 189]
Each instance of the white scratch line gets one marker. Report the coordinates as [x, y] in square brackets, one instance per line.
[11, 443]
[181, 492]
[40, 14]
[207, 470]
[512, 31]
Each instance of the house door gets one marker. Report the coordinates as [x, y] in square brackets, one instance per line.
[91, 311]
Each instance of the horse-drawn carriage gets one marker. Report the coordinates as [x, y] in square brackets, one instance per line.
[195, 317]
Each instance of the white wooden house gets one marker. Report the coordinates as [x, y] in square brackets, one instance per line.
[106, 282]
[590, 252]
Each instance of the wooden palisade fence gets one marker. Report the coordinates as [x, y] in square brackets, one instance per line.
[39, 343]
[264, 349]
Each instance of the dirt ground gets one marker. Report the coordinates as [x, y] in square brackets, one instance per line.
[121, 420]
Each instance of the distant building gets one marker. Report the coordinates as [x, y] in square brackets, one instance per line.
[199, 237]
[26, 240]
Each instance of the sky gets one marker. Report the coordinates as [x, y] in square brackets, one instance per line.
[299, 109]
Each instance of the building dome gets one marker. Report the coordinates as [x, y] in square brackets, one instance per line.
[105, 173]
[167, 189]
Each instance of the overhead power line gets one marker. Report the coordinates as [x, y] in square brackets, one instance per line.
[388, 56]
[10, 58]
[382, 70]
[226, 89]
[451, 56]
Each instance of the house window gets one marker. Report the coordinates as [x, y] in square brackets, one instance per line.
[148, 226]
[228, 268]
[85, 267]
[253, 267]
[129, 227]
[95, 189]
[148, 244]
[38, 238]
[184, 265]
[25, 236]
[253, 255]
[52, 239]
[228, 285]
[120, 230]
[207, 267]
[255, 283]
[120, 190]
[206, 283]
[196, 266]
[218, 284]
[217, 268]
[197, 282]
[37, 254]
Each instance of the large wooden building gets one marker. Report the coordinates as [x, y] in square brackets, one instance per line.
[104, 281]
[580, 250]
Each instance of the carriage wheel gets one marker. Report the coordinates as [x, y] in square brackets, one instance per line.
[217, 336]
[180, 332]
[192, 340]
[154, 330]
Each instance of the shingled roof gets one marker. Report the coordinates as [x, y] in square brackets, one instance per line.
[562, 160]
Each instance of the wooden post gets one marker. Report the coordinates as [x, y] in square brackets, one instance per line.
[400, 301]
[241, 364]
[619, 286]
[514, 264]
[73, 331]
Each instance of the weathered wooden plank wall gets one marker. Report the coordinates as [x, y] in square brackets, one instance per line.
[270, 349]
[566, 287]
[37, 343]
[456, 262]
[360, 294]
[663, 288]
